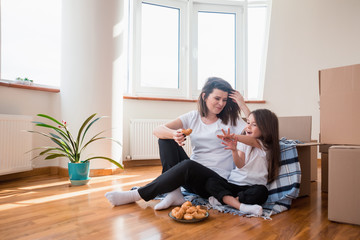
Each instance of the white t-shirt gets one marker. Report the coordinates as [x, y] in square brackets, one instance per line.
[255, 170]
[206, 146]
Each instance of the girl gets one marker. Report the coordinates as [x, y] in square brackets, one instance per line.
[257, 161]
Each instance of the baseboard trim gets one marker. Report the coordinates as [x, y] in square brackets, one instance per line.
[141, 163]
[63, 172]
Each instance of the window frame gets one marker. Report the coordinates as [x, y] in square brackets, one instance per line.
[188, 34]
[135, 70]
[240, 71]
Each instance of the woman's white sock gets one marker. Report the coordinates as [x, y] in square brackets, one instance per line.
[122, 197]
[252, 209]
[172, 198]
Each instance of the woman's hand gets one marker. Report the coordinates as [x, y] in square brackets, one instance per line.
[179, 137]
[240, 101]
[237, 98]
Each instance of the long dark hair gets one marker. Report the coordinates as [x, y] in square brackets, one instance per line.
[268, 124]
[231, 111]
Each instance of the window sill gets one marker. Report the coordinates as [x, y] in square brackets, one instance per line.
[179, 99]
[37, 87]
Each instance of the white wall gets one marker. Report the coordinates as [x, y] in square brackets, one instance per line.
[90, 52]
[305, 37]
[87, 66]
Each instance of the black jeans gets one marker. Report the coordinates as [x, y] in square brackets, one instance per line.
[219, 187]
[170, 153]
[190, 174]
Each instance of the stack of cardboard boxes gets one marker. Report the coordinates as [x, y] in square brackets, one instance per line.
[340, 141]
[299, 128]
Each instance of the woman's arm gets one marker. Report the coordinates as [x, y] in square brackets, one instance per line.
[171, 130]
[239, 99]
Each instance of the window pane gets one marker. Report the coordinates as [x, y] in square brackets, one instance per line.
[160, 46]
[30, 40]
[216, 46]
[256, 40]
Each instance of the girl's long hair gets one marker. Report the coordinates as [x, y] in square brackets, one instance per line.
[231, 111]
[268, 124]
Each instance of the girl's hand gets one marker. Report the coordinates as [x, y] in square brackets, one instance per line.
[230, 144]
[227, 136]
[179, 137]
[237, 98]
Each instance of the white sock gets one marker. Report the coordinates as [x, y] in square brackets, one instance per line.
[252, 209]
[172, 198]
[214, 202]
[122, 197]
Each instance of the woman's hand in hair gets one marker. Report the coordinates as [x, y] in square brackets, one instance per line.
[240, 101]
[179, 137]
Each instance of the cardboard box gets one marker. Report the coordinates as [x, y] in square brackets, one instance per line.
[324, 171]
[339, 105]
[299, 128]
[324, 150]
[344, 182]
[314, 162]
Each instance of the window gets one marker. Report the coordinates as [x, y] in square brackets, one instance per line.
[30, 40]
[159, 42]
[178, 44]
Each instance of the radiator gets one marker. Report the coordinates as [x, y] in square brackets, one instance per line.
[143, 144]
[15, 143]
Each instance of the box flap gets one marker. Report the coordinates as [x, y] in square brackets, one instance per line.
[295, 128]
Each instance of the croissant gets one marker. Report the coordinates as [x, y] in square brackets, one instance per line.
[187, 211]
[187, 131]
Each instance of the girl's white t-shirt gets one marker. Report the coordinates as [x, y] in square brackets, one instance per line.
[206, 146]
[255, 170]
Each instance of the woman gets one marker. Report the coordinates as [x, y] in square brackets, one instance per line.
[219, 108]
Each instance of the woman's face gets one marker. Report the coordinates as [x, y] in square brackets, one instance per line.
[252, 128]
[216, 101]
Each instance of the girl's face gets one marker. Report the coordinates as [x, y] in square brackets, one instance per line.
[251, 128]
[216, 101]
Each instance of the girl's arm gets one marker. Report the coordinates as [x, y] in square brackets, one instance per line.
[238, 156]
[239, 99]
[251, 141]
[171, 130]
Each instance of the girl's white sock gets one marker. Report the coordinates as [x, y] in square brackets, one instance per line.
[122, 197]
[251, 209]
[214, 202]
[172, 198]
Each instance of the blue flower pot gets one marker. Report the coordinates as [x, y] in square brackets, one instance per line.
[79, 173]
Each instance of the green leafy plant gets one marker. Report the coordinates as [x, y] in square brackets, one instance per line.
[25, 80]
[68, 146]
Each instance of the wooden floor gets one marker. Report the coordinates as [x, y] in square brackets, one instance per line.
[48, 207]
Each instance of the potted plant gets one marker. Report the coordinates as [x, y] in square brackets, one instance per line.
[70, 147]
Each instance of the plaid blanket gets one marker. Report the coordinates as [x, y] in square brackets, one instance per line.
[281, 191]
[286, 187]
